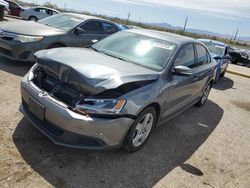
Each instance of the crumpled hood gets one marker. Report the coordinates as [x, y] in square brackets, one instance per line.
[30, 28]
[90, 71]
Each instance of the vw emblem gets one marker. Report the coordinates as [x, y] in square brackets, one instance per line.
[42, 94]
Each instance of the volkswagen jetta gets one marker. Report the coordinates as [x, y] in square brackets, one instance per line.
[114, 93]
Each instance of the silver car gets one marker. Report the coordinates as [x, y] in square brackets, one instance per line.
[20, 40]
[37, 13]
[114, 93]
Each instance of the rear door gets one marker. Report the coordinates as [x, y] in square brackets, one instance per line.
[108, 29]
[93, 31]
[180, 91]
[202, 68]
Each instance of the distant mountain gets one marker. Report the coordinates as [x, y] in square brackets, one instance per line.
[199, 31]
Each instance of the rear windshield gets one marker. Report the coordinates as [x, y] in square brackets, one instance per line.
[139, 49]
[62, 21]
[214, 48]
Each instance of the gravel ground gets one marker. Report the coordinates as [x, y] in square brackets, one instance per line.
[202, 147]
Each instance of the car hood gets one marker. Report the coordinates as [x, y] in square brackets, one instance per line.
[90, 71]
[30, 28]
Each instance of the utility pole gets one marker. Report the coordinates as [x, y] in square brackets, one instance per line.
[235, 36]
[140, 20]
[128, 18]
[65, 5]
[185, 25]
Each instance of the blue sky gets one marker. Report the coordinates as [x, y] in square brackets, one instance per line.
[222, 16]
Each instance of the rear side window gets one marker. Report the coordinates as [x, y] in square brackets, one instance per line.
[13, 5]
[108, 28]
[186, 56]
[202, 55]
[92, 27]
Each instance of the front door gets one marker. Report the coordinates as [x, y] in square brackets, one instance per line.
[93, 31]
[181, 90]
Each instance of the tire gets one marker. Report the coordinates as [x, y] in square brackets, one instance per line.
[204, 96]
[55, 46]
[33, 18]
[130, 143]
[223, 74]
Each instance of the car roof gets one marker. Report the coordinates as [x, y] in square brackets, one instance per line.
[213, 42]
[85, 17]
[45, 8]
[171, 37]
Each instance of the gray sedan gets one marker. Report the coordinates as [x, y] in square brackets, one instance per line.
[114, 93]
[20, 40]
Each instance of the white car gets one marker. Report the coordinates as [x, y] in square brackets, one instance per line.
[37, 13]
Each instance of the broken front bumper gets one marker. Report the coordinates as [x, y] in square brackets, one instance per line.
[67, 128]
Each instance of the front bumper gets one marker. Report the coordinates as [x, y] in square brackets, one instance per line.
[19, 51]
[67, 128]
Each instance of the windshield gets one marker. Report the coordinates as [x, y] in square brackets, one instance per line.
[139, 49]
[214, 48]
[62, 21]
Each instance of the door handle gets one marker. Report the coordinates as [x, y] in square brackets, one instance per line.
[196, 78]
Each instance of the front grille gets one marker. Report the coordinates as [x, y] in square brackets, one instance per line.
[63, 136]
[7, 38]
[6, 52]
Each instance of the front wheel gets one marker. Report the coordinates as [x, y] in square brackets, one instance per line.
[204, 97]
[140, 130]
[33, 18]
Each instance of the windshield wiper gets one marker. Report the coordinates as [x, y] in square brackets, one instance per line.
[91, 47]
[114, 56]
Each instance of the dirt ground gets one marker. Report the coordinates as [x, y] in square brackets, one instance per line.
[203, 147]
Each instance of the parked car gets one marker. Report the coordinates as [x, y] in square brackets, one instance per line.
[240, 57]
[37, 13]
[19, 40]
[14, 8]
[115, 92]
[4, 9]
[219, 51]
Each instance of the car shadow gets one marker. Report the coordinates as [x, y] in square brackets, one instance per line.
[224, 84]
[170, 146]
[14, 67]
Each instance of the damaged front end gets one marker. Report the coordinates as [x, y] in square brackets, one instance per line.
[82, 94]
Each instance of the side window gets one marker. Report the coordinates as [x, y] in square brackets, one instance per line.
[13, 5]
[54, 13]
[186, 56]
[108, 28]
[49, 12]
[37, 9]
[92, 27]
[226, 50]
[202, 56]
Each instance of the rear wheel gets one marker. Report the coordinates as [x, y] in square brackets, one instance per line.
[205, 95]
[33, 18]
[223, 74]
[141, 130]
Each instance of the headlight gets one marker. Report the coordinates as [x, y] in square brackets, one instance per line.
[25, 38]
[100, 106]
[31, 73]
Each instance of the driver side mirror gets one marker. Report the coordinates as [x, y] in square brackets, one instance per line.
[79, 31]
[217, 57]
[182, 71]
[227, 57]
